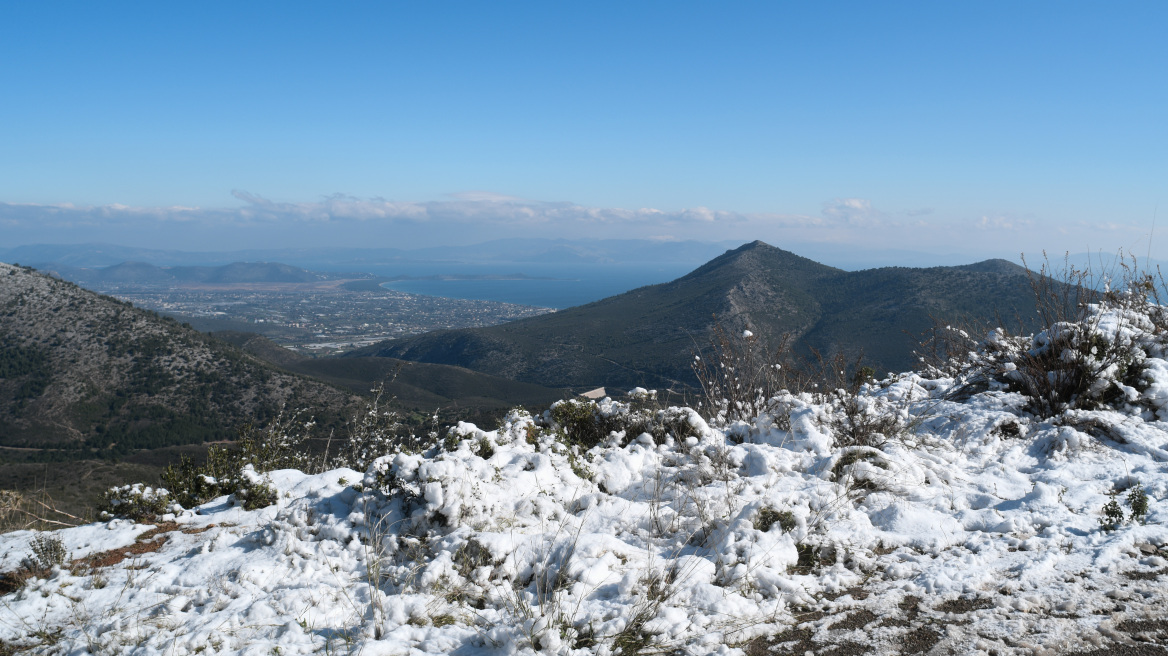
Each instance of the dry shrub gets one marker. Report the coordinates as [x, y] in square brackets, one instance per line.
[20, 511]
[741, 375]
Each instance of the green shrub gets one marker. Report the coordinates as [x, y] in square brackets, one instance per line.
[1137, 500]
[768, 517]
[225, 472]
[578, 467]
[1112, 515]
[237, 471]
[581, 422]
[586, 424]
[484, 449]
[255, 492]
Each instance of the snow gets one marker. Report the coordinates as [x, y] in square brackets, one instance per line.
[537, 548]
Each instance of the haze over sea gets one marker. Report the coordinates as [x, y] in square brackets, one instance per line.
[545, 285]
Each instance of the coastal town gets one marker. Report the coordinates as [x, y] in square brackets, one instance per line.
[325, 321]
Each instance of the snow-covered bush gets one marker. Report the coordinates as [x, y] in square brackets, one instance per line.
[1100, 357]
[226, 471]
[743, 378]
[586, 424]
[48, 550]
[240, 469]
[137, 502]
[1094, 348]
[858, 419]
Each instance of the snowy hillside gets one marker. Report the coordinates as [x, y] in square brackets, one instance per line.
[976, 510]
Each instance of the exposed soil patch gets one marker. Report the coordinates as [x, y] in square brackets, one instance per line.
[849, 649]
[1146, 576]
[196, 531]
[766, 646]
[809, 616]
[115, 556]
[911, 607]
[856, 620]
[1146, 630]
[13, 581]
[857, 593]
[964, 605]
[149, 542]
[1125, 650]
[920, 640]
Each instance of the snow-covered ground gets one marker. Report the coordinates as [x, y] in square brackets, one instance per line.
[974, 527]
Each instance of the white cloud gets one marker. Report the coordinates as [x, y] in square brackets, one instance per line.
[1002, 222]
[475, 216]
[852, 212]
[459, 218]
[470, 208]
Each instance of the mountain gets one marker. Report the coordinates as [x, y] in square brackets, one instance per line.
[95, 255]
[132, 273]
[237, 272]
[647, 336]
[81, 371]
[413, 385]
[146, 274]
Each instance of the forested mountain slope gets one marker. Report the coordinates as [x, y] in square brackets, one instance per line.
[412, 385]
[648, 336]
[83, 371]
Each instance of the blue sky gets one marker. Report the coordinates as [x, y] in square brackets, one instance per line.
[982, 128]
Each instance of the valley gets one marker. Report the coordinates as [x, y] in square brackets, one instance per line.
[311, 312]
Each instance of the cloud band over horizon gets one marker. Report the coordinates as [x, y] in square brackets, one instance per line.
[475, 216]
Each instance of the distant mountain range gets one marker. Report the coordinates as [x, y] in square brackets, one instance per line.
[146, 274]
[648, 336]
[539, 253]
[534, 251]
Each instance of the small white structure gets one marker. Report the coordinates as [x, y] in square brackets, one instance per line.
[595, 394]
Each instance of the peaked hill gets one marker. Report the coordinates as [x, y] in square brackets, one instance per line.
[647, 336]
[84, 372]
